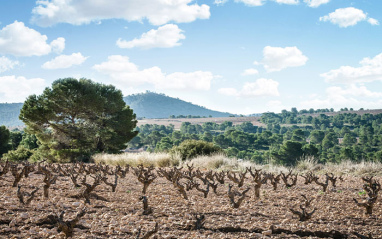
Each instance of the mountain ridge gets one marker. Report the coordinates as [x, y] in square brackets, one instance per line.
[155, 105]
[149, 105]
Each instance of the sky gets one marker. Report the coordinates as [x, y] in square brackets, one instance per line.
[237, 56]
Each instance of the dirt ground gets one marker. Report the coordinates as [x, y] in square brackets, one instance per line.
[337, 216]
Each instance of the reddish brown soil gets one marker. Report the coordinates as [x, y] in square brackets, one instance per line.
[121, 216]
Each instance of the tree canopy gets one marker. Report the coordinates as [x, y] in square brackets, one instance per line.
[77, 118]
[4, 140]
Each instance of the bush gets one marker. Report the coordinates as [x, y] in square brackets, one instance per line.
[189, 149]
[20, 154]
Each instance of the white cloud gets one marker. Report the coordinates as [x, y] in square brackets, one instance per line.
[255, 3]
[373, 21]
[228, 91]
[275, 106]
[157, 12]
[290, 2]
[346, 17]
[252, 3]
[65, 61]
[17, 89]
[19, 40]
[352, 90]
[198, 80]
[123, 72]
[369, 71]
[355, 96]
[58, 45]
[249, 72]
[278, 58]
[261, 87]
[220, 2]
[164, 37]
[7, 64]
[315, 3]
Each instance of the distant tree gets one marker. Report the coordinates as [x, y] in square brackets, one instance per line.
[77, 118]
[247, 127]
[29, 141]
[4, 140]
[207, 136]
[348, 139]
[298, 135]
[329, 140]
[310, 150]
[225, 125]
[15, 138]
[316, 136]
[290, 152]
[164, 144]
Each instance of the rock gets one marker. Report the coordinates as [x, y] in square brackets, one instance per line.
[267, 233]
[24, 215]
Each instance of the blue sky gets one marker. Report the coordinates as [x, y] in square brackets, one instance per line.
[238, 56]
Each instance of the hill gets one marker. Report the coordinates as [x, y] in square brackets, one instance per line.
[148, 105]
[9, 114]
[153, 105]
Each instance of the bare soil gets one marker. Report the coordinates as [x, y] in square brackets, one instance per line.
[269, 216]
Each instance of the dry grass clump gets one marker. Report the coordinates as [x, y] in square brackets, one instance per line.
[361, 169]
[135, 159]
[308, 165]
[272, 168]
[216, 161]
[221, 162]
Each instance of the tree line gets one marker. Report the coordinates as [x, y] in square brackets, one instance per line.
[286, 138]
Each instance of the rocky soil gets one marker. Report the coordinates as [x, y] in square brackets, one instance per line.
[119, 214]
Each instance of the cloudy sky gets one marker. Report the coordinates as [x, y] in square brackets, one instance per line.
[238, 56]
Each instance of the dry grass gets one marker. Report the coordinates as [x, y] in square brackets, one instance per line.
[222, 162]
[350, 168]
[134, 159]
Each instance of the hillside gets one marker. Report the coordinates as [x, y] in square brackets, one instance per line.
[153, 105]
[145, 105]
[9, 114]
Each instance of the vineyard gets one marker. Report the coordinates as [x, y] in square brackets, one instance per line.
[99, 201]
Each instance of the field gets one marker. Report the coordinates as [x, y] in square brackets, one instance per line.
[238, 120]
[178, 122]
[121, 214]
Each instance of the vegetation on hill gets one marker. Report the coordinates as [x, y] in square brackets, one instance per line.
[154, 105]
[286, 138]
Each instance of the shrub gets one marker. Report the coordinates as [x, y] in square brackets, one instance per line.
[19, 154]
[191, 148]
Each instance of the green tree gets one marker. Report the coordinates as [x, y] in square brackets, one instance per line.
[349, 139]
[29, 141]
[290, 152]
[4, 140]
[77, 118]
[316, 136]
[15, 138]
[310, 150]
[329, 140]
[191, 148]
[298, 135]
[164, 144]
